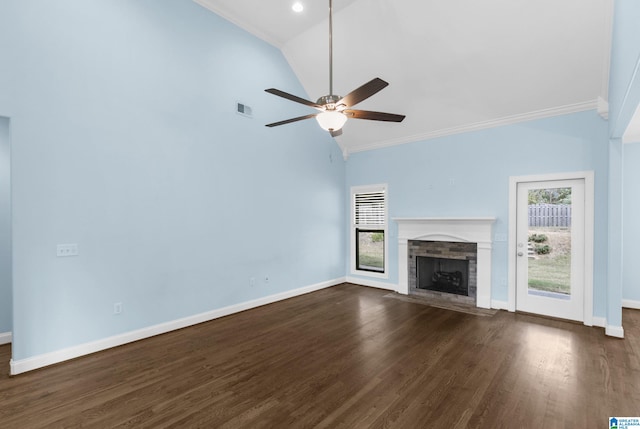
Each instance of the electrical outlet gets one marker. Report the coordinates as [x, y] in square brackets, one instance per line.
[117, 308]
[252, 282]
[266, 279]
[63, 250]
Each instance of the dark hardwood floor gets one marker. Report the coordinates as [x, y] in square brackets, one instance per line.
[344, 357]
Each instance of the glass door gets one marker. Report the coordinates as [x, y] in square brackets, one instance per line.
[550, 248]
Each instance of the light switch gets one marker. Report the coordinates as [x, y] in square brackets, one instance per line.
[67, 250]
[500, 237]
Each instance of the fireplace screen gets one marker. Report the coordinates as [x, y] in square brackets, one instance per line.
[443, 275]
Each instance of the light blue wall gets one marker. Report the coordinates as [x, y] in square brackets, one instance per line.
[624, 83]
[615, 234]
[631, 272]
[5, 229]
[624, 97]
[125, 140]
[480, 163]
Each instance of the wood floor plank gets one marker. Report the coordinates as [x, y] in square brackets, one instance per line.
[343, 357]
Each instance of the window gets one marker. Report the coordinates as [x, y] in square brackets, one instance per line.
[369, 230]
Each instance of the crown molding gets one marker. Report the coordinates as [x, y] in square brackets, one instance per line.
[603, 108]
[207, 4]
[493, 123]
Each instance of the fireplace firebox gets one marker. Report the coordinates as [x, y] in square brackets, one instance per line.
[443, 275]
[443, 267]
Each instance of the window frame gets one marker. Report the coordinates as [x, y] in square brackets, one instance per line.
[353, 231]
[384, 241]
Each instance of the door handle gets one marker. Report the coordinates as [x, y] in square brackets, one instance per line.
[520, 254]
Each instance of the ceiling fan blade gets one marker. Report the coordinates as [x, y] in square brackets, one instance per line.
[294, 98]
[336, 133]
[373, 116]
[288, 121]
[365, 91]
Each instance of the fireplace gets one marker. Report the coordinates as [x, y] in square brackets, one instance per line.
[461, 239]
[443, 275]
[442, 266]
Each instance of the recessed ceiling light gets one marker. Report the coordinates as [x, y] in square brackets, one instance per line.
[297, 7]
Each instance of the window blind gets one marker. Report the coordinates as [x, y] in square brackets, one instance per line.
[369, 208]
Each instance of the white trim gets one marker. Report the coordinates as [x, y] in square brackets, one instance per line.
[345, 152]
[629, 303]
[466, 230]
[600, 322]
[632, 133]
[499, 305]
[218, 10]
[352, 228]
[445, 219]
[603, 108]
[5, 338]
[507, 120]
[372, 283]
[35, 362]
[589, 202]
[614, 331]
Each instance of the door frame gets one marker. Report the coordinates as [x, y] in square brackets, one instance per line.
[589, 195]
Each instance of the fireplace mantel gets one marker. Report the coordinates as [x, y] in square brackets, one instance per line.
[457, 229]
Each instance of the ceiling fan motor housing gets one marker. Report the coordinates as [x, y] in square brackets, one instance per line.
[329, 101]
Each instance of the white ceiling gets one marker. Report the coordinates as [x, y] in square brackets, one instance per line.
[453, 65]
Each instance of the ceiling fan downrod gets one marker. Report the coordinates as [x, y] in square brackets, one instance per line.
[330, 47]
[333, 109]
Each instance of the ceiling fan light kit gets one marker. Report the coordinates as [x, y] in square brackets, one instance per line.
[331, 120]
[335, 110]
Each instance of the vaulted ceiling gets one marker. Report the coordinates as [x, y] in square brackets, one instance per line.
[453, 66]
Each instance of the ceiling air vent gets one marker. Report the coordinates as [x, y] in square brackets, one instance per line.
[244, 110]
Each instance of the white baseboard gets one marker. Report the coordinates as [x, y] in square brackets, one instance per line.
[600, 322]
[23, 365]
[499, 305]
[629, 303]
[614, 331]
[5, 338]
[611, 331]
[372, 283]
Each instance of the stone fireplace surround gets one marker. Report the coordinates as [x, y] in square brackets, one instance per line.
[444, 250]
[465, 230]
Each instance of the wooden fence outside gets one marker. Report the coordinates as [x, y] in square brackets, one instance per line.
[550, 215]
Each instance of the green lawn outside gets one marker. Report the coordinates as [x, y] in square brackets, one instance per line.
[374, 261]
[371, 250]
[551, 274]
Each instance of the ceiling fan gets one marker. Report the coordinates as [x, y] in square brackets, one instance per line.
[334, 110]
